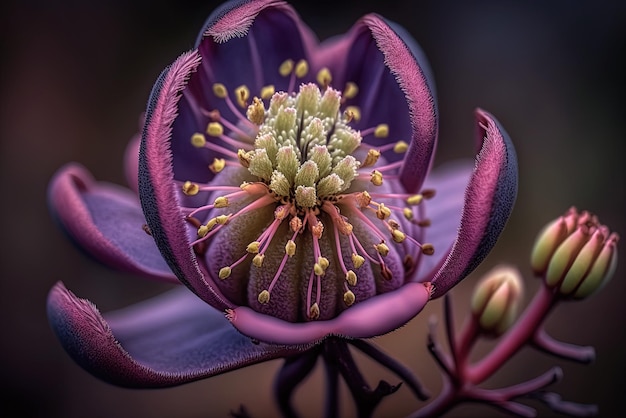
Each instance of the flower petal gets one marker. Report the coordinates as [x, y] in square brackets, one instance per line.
[158, 195]
[172, 339]
[242, 43]
[395, 88]
[444, 211]
[489, 200]
[370, 318]
[105, 220]
[246, 42]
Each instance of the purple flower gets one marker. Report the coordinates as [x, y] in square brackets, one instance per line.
[286, 183]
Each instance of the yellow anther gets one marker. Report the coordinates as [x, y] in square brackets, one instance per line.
[264, 297]
[350, 91]
[416, 199]
[220, 202]
[323, 262]
[318, 270]
[400, 147]
[371, 158]
[357, 260]
[222, 219]
[324, 77]
[295, 224]
[190, 189]
[408, 213]
[202, 231]
[314, 312]
[217, 165]
[243, 94]
[353, 113]
[377, 178]
[224, 272]
[349, 298]
[428, 249]
[211, 223]
[302, 68]
[363, 199]
[258, 260]
[383, 212]
[220, 90]
[351, 278]
[244, 158]
[253, 247]
[393, 224]
[286, 68]
[382, 249]
[267, 92]
[215, 129]
[290, 248]
[198, 140]
[256, 112]
[382, 131]
[398, 236]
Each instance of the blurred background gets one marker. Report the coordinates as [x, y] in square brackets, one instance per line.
[74, 77]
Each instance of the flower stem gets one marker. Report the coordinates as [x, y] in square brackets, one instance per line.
[512, 341]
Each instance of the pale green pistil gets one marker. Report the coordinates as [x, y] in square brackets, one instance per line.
[304, 146]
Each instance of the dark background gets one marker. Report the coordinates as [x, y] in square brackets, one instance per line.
[74, 77]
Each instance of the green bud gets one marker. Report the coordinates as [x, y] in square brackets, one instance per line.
[575, 254]
[496, 299]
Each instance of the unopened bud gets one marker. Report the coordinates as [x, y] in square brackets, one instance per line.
[496, 299]
[575, 254]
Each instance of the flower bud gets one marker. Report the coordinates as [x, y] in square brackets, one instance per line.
[496, 299]
[575, 254]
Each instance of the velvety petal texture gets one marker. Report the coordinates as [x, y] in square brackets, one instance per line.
[172, 339]
[159, 198]
[489, 200]
[106, 221]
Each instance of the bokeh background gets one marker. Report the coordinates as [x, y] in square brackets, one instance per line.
[74, 77]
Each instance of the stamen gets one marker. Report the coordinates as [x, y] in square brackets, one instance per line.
[353, 112]
[217, 165]
[190, 189]
[302, 68]
[349, 298]
[324, 77]
[267, 92]
[400, 147]
[371, 159]
[350, 91]
[264, 297]
[286, 68]
[243, 94]
[376, 178]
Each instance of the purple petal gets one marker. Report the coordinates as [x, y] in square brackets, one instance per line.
[172, 339]
[394, 88]
[106, 221]
[375, 316]
[444, 211]
[159, 198]
[273, 33]
[489, 200]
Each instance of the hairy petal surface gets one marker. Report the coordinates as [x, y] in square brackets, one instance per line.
[106, 221]
[395, 88]
[489, 201]
[172, 339]
[159, 198]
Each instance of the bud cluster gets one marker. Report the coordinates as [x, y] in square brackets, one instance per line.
[575, 254]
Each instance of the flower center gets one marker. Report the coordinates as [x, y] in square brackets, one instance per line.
[298, 155]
